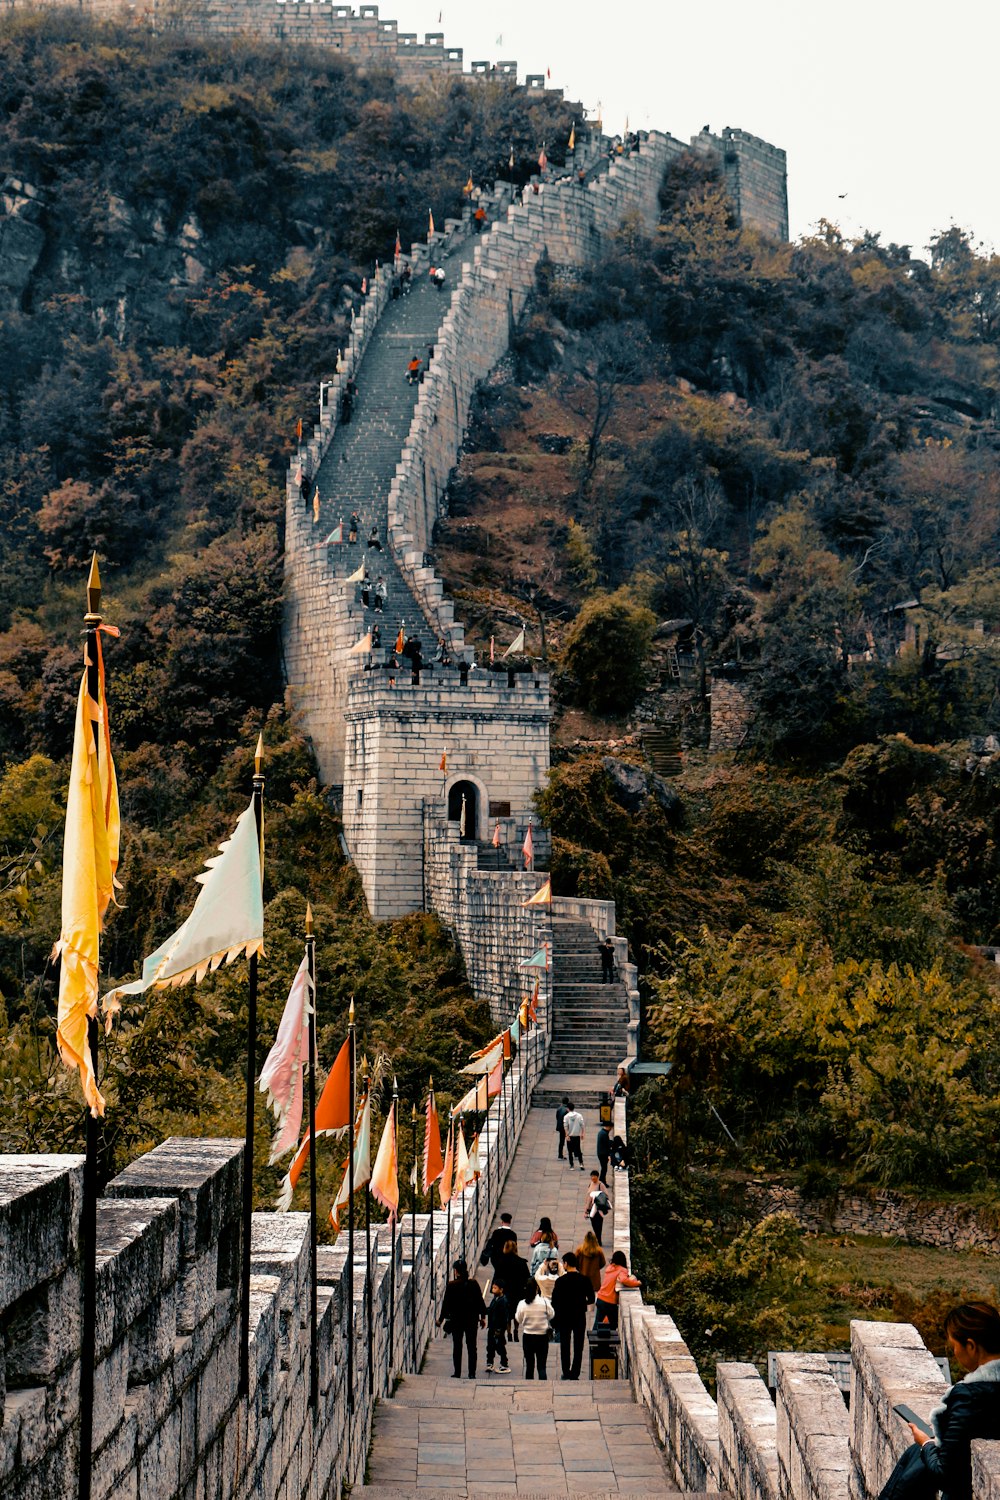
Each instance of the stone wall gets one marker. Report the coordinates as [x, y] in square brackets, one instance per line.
[949, 1226]
[731, 714]
[756, 178]
[168, 1422]
[485, 911]
[495, 738]
[369, 42]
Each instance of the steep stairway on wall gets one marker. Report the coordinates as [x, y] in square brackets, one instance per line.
[589, 1018]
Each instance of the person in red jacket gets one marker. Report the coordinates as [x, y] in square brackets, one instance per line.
[616, 1275]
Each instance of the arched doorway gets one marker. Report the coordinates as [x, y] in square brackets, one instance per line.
[468, 791]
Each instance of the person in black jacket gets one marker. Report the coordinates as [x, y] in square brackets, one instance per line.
[493, 1248]
[464, 1310]
[572, 1294]
[970, 1409]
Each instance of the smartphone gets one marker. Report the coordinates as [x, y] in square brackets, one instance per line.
[909, 1415]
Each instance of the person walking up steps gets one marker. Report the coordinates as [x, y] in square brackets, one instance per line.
[616, 1275]
[604, 1152]
[561, 1114]
[533, 1316]
[607, 952]
[573, 1126]
[572, 1294]
[463, 1313]
[598, 1206]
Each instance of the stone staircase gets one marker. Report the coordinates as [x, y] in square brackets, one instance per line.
[589, 1018]
[359, 465]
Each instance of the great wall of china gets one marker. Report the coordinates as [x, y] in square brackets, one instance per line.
[170, 1424]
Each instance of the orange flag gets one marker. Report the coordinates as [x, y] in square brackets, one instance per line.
[496, 835]
[399, 641]
[384, 1185]
[333, 1115]
[444, 763]
[433, 1159]
[495, 1081]
[445, 1183]
[528, 848]
[506, 1046]
[533, 1007]
[430, 223]
[298, 429]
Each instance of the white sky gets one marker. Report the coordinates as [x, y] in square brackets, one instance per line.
[892, 103]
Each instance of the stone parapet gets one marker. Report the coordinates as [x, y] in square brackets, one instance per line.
[748, 1439]
[814, 1460]
[889, 1364]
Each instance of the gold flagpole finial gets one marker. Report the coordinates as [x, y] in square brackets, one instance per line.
[309, 919]
[350, 1013]
[430, 1084]
[94, 588]
[258, 755]
[415, 1113]
[364, 1066]
[395, 1087]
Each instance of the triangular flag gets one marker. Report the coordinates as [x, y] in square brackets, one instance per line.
[364, 286]
[461, 1161]
[469, 185]
[492, 649]
[357, 576]
[444, 763]
[365, 644]
[542, 896]
[490, 1047]
[543, 160]
[333, 1115]
[475, 1170]
[467, 1103]
[448, 1170]
[517, 644]
[486, 1063]
[496, 835]
[281, 1075]
[494, 1082]
[515, 1029]
[400, 641]
[227, 918]
[90, 858]
[539, 960]
[571, 144]
[336, 536]
[433, 1158]
[362, 1162]
[430, 222]
[507, 1045]
[397, 252]
[528, 848]
[298, 429]
[533, 1006]
[384, 1184]
[548, 72]
[483, 1093]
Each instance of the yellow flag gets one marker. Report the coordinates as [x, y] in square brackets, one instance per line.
[384, 1185]
[90, 858]
[542, 896]
[430, 221]
[572, 137]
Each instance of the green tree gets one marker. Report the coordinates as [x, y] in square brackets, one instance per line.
[605, 652]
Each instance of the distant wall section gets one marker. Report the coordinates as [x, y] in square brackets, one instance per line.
[756, 177]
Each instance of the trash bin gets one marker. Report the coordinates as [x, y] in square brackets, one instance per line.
[604, 1347]
[605, 1109]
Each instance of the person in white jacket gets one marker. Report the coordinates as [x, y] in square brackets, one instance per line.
[533, 1317]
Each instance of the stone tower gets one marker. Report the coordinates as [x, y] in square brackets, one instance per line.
[756, 178]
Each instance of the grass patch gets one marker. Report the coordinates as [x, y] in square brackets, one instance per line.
[861, 1276]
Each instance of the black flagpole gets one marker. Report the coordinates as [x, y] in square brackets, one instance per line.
[451, 1194]
[244, 1384]
[392, 1255]
[413, 1246]
[369, 1295]
[432, 1103]
[350, 1213]
[464, 1186]
[313, 1238]
[88, 1215]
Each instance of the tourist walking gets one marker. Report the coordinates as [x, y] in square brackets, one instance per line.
[604, 1152]
[572, 1294]
[607, 952]
[463, 1313]
[493, 1248]
[561, 1113]
[533, 1318]
[497, 1318]
[413, 371]
[616, 1275]
[573, 1126]
[591, 1260]
[547, 1276]
[598, 1206]
[543, 1248]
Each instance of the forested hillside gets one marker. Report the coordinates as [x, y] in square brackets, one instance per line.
[187, 230]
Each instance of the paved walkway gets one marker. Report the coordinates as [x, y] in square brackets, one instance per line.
[504, 1435]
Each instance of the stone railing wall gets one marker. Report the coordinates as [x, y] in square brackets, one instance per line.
[564, 222]
[485, 911]
[949, 1226]
[168, 1419]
